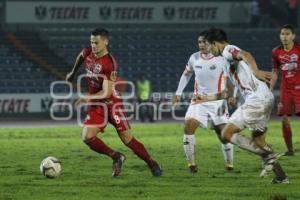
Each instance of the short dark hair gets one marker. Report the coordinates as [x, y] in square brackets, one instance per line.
[203, 33]
[100, 31]
[216, 35]
[289, 27]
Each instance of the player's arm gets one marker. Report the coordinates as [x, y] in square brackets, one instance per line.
[106, 92]
[78, 62]
[273, 78]
[184, 80]
[275, 66]
[232, 94]
[214, 97]
[249, 59]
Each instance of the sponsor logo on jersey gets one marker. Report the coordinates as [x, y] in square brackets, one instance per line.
[97, 68]
[198, 66]
[289, 66]
[294, 58]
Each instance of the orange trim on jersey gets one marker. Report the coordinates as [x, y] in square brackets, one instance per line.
[220, 82]
[187, 71]
[239, 81]
[196, 88]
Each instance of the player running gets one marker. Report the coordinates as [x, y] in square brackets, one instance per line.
[101, 71]
[242, 70]
[286, 58]
[209, 79]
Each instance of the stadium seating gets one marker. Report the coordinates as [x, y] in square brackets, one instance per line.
[18, 74]
[159, 54]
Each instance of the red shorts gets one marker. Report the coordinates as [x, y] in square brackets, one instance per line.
[99, 116]
[289, 102]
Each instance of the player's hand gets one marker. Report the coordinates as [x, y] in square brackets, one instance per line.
[176, 100]
[198, 99]
[264, 75]
[80, 101]
[232, 102]
[223, 94]
[70, 77]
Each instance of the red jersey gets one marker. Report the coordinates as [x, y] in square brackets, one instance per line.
[98, 69]
[289, 63]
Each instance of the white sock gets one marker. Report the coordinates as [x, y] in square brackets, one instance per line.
[189, 142]
[227, 150]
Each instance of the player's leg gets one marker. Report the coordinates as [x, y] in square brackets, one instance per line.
[119, 121]
[189, 142]
[269, 158]
[89, 136]
[95, 123]
[287, 135]
[285, 110]
[248, 115]
[219, 115]
[227, 147]
[139, 149]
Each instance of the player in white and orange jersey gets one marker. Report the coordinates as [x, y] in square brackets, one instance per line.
[209, 79]
[242, 70]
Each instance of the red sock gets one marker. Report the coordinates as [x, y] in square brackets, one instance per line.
[99, 146]
[139, 149]
[287, 135]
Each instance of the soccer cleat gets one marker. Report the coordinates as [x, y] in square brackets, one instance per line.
[269, 164]
[155, 168]
[229, 167]
[117, 164]
[282, 181]
[193, 168]
[289, 153]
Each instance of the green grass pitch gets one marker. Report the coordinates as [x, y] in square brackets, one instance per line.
[87, 175]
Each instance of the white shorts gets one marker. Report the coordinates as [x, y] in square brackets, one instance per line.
[215, 111]
[254, 114]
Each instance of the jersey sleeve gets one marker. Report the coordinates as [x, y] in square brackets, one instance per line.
[225, 71]
[189, 66]
[230, 53]
[110, 72]
[85, 52]
[275, 63]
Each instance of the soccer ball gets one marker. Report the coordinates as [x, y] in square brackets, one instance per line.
[50, 167]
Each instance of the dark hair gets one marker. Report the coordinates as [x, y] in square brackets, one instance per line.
[203, 33]
[216, 35]
[100, 31]
[289, 27]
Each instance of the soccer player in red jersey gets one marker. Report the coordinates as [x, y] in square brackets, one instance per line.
[286, 58]
[101, 71]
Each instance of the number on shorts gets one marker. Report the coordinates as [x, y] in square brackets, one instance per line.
[117, 119]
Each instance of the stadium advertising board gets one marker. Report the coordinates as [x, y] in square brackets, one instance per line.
[126, 12]
[31, 103]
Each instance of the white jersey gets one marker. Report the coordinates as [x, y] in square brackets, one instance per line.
[242, 76]
[209, 75]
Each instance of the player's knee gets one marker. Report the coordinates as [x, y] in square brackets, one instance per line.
[226, 134]
[259, 132]
[125, 137]
[87, 134]
[285, 119]
[190, 126]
